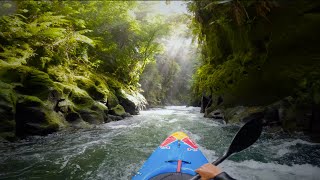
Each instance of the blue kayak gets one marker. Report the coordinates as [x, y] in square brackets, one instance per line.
[176, 158]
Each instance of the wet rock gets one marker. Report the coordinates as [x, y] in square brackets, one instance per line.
[271, 116]
[127, 115]
[250, 116]
[97, 90]
[63, 106]
[129, 106]
[92, 117]
[98, 106]
[34, 118]
[112, 100]
[114, 118]
[217, 114]
[37, 83]
[315, 122]
[117, 111]
[80, 97]
[214, 104]
[7, 111]
[131, 101]
[243, 114]
[73, 116]
[205, 103]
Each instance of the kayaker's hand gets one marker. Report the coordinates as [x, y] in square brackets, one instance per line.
[208, 171]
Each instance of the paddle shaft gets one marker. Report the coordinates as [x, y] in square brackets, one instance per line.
[245, 137]
[216, 162]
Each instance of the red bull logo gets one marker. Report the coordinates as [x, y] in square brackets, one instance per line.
[166, 142]
[179, 136]
[190, 143]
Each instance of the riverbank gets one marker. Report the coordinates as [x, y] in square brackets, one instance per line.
[35, 102]
[288, 115]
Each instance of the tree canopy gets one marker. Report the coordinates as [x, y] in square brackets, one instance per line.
[105, 36]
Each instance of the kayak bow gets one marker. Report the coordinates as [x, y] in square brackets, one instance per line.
[177, 155]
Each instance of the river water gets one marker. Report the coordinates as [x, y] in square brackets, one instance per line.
[118, 149]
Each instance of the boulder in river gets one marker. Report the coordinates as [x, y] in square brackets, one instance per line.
[131, 101]
[217, 114]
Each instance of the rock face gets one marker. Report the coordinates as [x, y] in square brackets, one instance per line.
[7, 111]
[33, 102]
[34, 118]
[287, 114]
[132, 103]
[117, 111]
[217, 114]
[262, 57]
[205, 103]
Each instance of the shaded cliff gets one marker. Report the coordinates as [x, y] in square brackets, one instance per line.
[260, 54]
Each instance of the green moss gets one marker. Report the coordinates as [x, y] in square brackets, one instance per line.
[9, 136]
[30, 101]
[112, 100]
[37, 83]
[7, 110]
[258, 61]
[99, 106]
[118, 110]
[54, 120]
[32, 82]
[76, 95]
[10, 73]
[92, 116]
[60, 74]
[34, 117]
[81, 103]
[80, 98]
[90, 87]
[237, 114]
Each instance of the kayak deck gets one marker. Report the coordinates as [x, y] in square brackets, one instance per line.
[176, 154]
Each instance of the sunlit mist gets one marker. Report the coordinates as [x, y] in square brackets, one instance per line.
[175, 65]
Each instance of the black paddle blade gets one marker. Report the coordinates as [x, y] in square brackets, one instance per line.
[246, 136]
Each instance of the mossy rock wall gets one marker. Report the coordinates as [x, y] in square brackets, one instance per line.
[260, 59]
[34, 102]
[27, 81]
[34, 118]
[7, 111]
[291, 46]
[260, 54]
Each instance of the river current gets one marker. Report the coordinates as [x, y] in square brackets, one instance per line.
[117, 150]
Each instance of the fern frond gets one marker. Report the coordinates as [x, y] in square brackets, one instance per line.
[16, 54]
[84, 39]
